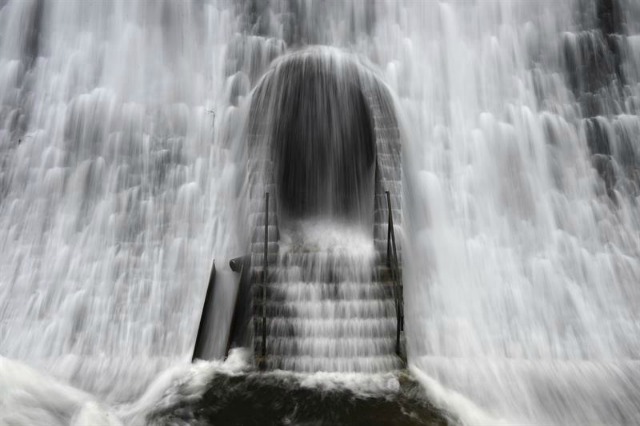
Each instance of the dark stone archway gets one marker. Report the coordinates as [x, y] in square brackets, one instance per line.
[316, 125]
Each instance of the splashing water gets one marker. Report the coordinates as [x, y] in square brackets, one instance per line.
[121, 162]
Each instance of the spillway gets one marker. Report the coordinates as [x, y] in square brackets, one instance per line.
[323, 160]
[127, 166]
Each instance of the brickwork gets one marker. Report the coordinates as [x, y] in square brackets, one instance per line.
[261, 182]
[388, 172]
[388, 177]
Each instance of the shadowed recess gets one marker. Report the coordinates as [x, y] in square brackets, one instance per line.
[321, 135]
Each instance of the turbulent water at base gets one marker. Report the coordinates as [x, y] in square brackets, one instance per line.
[121, 162]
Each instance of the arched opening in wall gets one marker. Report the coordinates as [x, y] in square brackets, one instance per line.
[321, 136]
[324, 146]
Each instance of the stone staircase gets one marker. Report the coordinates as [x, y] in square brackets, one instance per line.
[327, 312]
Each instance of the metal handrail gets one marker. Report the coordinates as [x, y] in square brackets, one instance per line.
[265, 269]
[392, 263]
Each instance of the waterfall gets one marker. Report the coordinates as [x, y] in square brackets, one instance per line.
[525, 253]
[122, 162]
[112, 184]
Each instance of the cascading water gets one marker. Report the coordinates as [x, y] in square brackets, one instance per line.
[121, 159]
[329, 312]
[525, 257]
[112, 190]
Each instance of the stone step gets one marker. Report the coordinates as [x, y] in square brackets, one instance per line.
[381, 200]
[328, 276]
[383, 274]
[257, 259]
[388, 157]
[379, 290]
[258, 190]
[393, 186]
[323, 327]
[258, 234]
[329, 347]
[389, 171]
[381, 231]
[257, 274]
[381, 246]
[307, 364]
[272, 248]
[257, 219]
[381, 215]
[257, 205]
[259, 165]
[338, 309]
[304, 291]
[387, 133]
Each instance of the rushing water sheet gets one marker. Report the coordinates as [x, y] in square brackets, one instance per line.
[121, 162]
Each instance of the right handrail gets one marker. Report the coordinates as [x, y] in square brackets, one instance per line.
[392, 263]
[265, 270]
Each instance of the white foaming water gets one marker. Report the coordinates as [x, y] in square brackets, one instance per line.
[117, 162]
[30, 398]
[181, 384]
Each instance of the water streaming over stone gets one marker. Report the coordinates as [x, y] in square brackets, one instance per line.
[120, 164]
[327, 310]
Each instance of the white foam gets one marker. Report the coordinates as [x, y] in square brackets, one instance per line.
[466, 411]
[93, 414]
[324, 236]
[30, 398]
[182, 383]
[360, 384]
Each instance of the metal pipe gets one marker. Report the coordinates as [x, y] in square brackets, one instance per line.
[206, 319]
